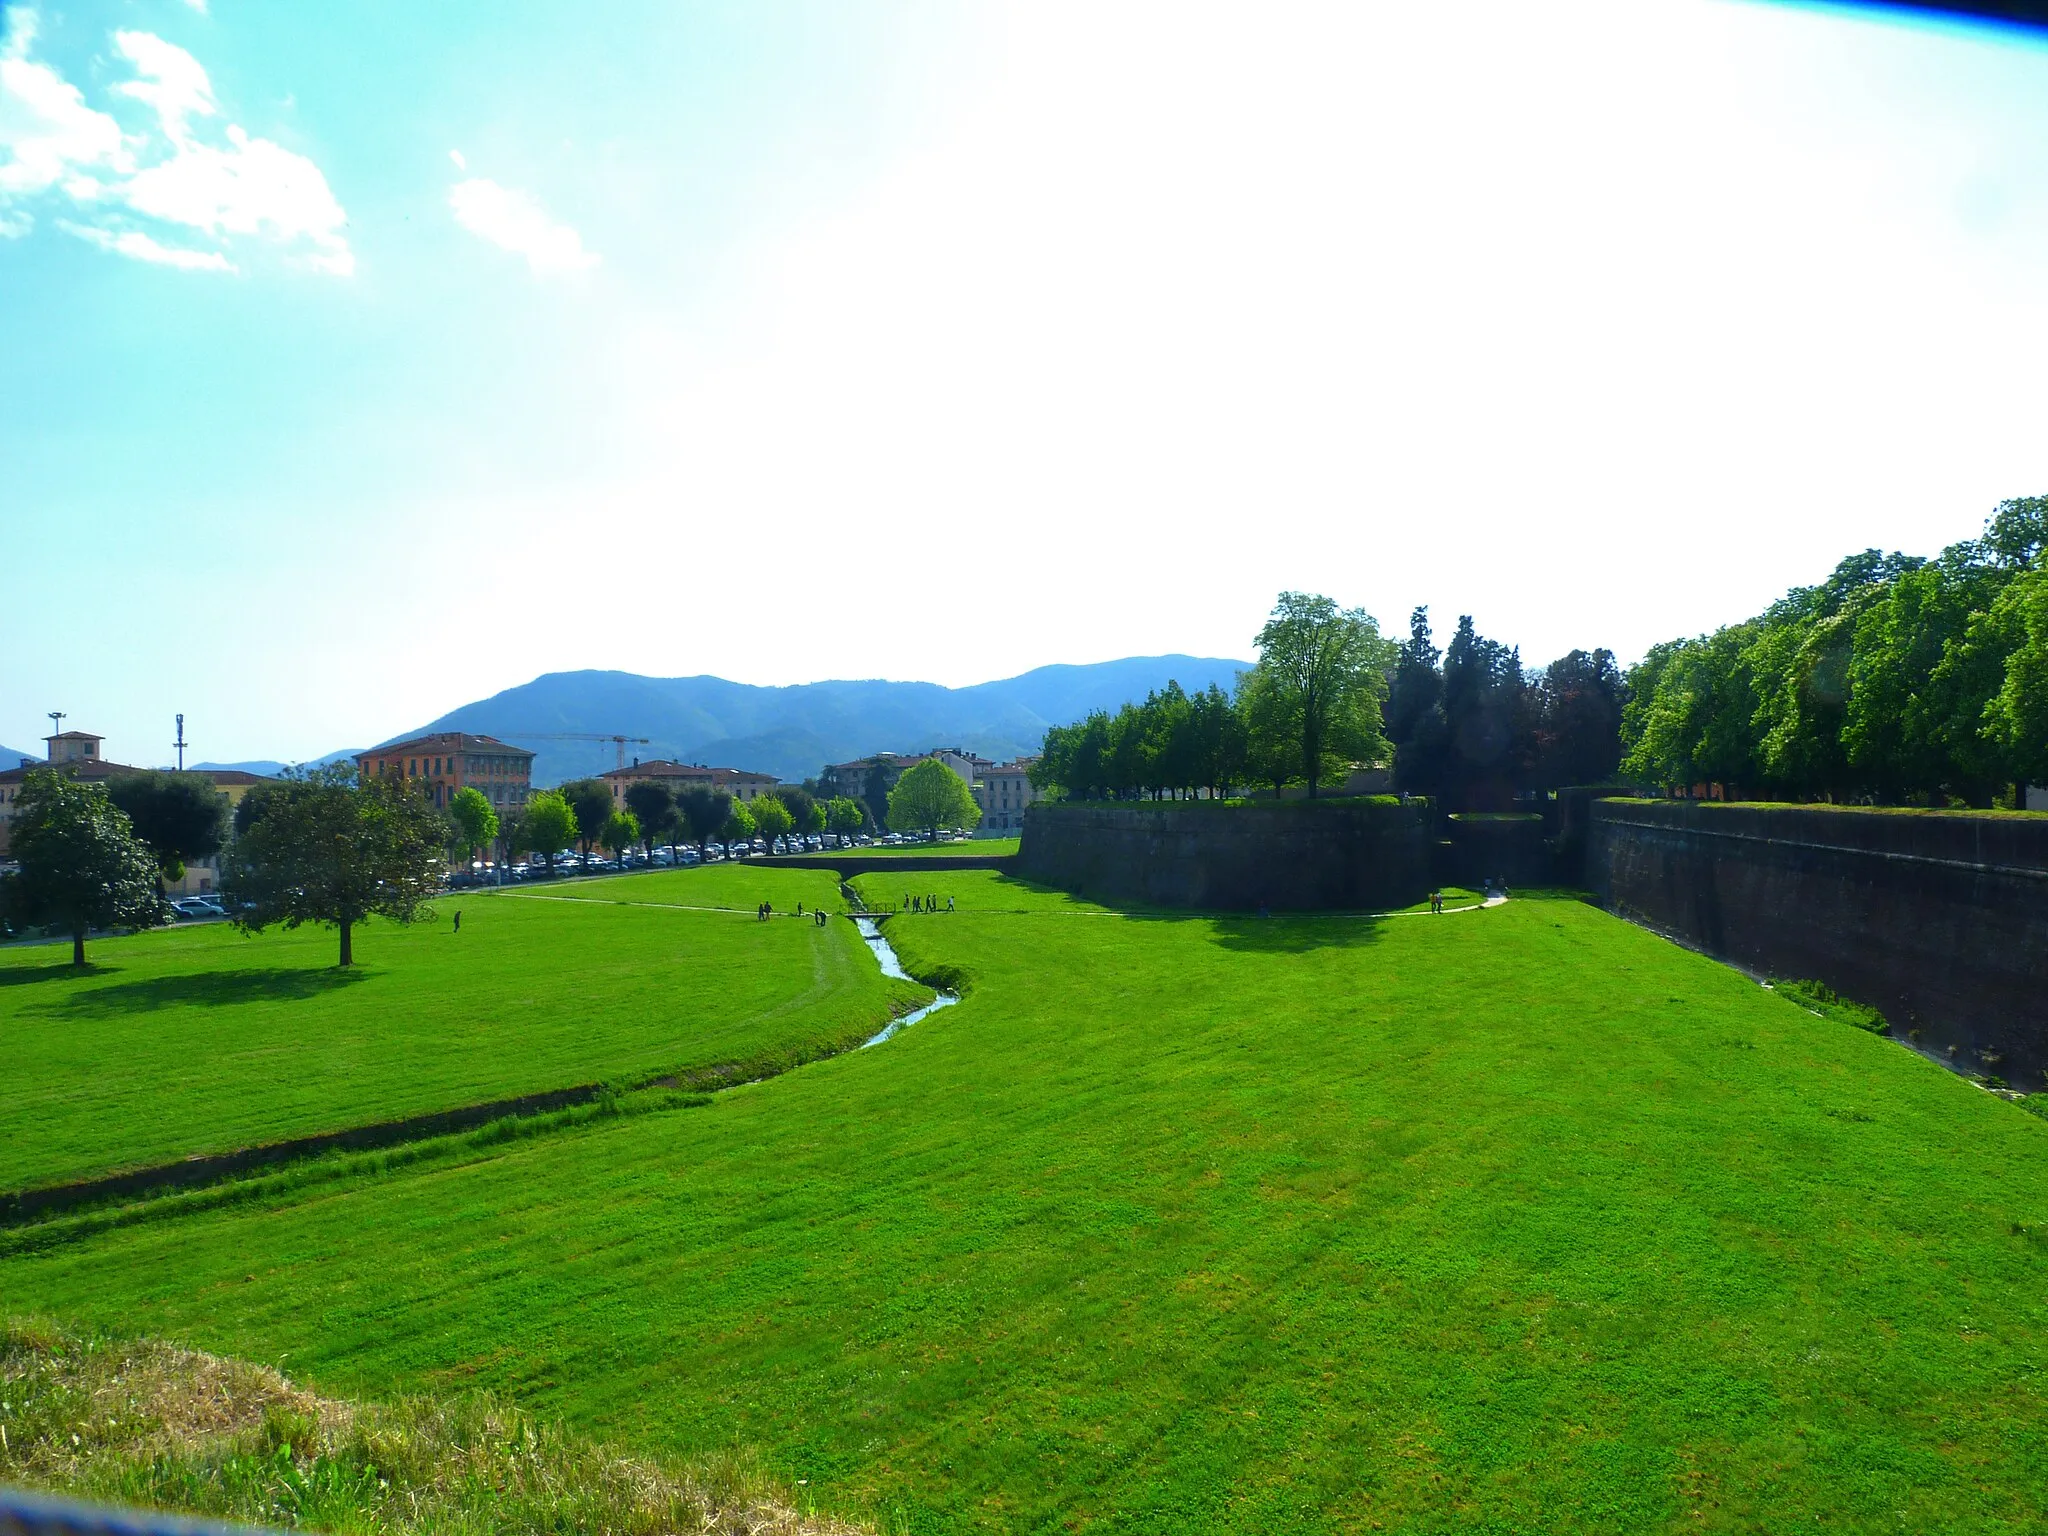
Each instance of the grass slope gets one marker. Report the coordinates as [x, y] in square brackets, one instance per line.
[205, 1039]
[974, 848]
[1507, 1219]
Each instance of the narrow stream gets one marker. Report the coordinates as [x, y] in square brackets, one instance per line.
[891, 966]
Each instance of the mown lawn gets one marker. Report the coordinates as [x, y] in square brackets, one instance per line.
[973, 848]
[1515, 1219]
[204, 1039]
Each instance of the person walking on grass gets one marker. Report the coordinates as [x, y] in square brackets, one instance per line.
[949, 903]
[458, 919]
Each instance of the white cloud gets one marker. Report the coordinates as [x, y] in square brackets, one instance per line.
[251, 187]
[170, 80]
[234, 185]
[515, 221]
[49, 137]
[197, 5]
[455, 159]
[133, 243]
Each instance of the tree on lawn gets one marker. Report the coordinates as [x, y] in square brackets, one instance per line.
[181, 817]
[474, 816]
[881, 778]
[620, 832]
[704, 813]
[332, 849]
[739, 823]
[547, 827]
[845, 816]
[1326, 669]
[771, 818]
[930, 796]
[805, 814]
[82, 866]
[652, 804]
[590, 801]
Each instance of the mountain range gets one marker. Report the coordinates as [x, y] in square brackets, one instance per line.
[792, 732]
[9, 758]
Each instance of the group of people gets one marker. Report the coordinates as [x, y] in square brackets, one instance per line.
[819, 916]
[1493, 888]
[925, 903]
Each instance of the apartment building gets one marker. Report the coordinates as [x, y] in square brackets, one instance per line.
[737, 782]
[1002, 792]
[448, 761]
[80, 754]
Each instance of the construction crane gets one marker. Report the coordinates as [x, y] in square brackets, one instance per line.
[618, 741]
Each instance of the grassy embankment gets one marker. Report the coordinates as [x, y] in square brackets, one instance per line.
[151, 1424]
[204, 1039]
[977, 848]
[1507, 1219]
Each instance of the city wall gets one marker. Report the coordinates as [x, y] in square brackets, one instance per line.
[1938, 920]
[1291, 856]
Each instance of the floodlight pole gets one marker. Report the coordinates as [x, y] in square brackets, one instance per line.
[56, 729]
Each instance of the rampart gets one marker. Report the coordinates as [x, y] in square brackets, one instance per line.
[1301, 855]
[1938, 920]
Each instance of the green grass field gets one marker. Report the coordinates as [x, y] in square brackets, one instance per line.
[1515, 1219]
[973, 848]
[205, 1039]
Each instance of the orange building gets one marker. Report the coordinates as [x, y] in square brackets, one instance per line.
[448, 761]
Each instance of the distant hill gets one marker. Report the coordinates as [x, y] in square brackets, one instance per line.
[792, 732]
[9, 758]
[270, 767]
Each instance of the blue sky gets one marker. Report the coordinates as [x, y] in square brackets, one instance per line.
[357, 361]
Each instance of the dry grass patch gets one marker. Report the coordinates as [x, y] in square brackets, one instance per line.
[149, 1423]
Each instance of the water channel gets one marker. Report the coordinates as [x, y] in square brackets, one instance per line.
[891, 966]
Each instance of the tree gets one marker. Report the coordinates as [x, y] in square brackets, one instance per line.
[845, 816]
[653, 805]
[930, 795]
[82, 866]
[771, 818]
[1324, 667]
[1488, 730]
[472, 812]
[2017, 719]
[739, 823]
[881, 778]
[1272, 731]
[805, 814]
[590, 802]
[180, 816]
[1414, 711]
[704, 812]
[546, 827]
[332, 849]
[620, 831]
[1578, 730]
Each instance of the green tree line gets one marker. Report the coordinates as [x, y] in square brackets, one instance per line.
[1330, 692]
[1897, 680]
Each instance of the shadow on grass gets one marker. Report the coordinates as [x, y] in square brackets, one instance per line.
[21, 976]
[210, 988]
[1296, 933]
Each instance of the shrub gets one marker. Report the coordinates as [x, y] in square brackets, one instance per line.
[1818, 997]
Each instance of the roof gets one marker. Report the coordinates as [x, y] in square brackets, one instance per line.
[665, 768]
[93, 769]
[658, 768]
[443, 741]
[74, 736]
